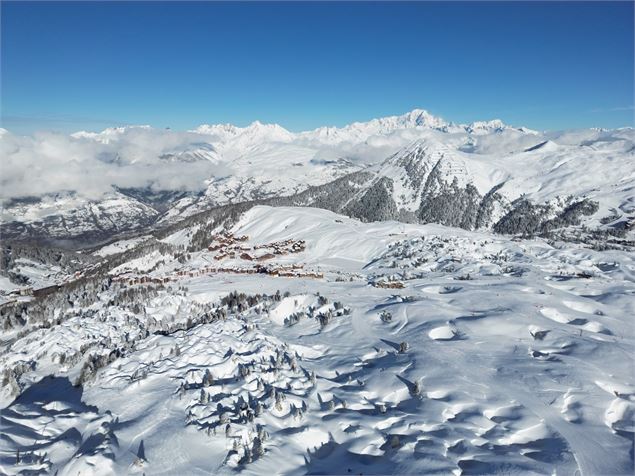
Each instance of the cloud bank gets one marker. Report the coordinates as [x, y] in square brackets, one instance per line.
[92, 165]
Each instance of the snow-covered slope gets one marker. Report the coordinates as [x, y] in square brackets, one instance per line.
[66, 216]
[410, 169]
[265, 171]
[474, 184]
[374, 348]
[403, 167]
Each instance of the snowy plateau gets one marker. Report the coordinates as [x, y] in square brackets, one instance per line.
[400, 296]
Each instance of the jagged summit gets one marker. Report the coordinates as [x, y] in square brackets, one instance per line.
[235, 130]
[414, 118]
[486, 126]
[356, 131]
[360, 131]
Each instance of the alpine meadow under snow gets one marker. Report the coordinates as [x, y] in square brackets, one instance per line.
[400, 296]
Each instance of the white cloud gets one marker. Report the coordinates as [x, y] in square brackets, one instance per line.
[92, 164]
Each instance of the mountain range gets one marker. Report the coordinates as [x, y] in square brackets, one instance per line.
[414, 167]
[402, 296]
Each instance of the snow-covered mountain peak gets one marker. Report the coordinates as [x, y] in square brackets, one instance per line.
[221, 130]
[415, 120]
[412, 119]
[422, 153]
[254, 132]
[194, 152]
[494, 126]
[273, 132]
[362, 131]
[418, 168]
[425, 144]
[354, 133]
[421, 118]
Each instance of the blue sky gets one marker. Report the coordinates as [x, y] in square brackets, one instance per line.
[546, 65]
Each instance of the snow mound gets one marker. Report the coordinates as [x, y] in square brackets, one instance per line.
[288, 306]
[443, 333]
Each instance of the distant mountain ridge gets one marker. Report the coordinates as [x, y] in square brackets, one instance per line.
[357, 131]
[413, 167]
